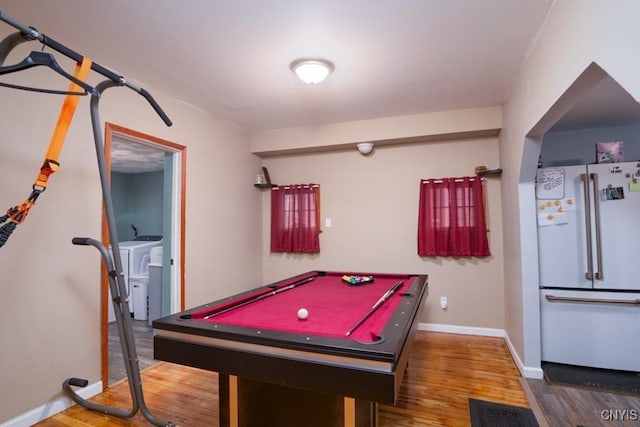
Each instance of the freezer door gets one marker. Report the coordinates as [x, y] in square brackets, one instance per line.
[591, 328]
[562, 236]
[618, 215]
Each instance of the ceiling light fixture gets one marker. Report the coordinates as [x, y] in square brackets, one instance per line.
[312, 71]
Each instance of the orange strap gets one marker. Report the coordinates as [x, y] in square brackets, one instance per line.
[50, 164]
[17, 214]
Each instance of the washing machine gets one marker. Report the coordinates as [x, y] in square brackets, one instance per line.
[136, 255]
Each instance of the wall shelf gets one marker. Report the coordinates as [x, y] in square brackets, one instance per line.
[482, 171]
[492, 172]
[264, 180]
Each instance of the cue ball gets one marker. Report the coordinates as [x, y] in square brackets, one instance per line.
[303, 314]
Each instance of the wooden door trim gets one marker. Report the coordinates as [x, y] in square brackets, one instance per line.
[110, 129]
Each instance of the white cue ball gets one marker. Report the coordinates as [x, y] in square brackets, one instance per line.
[303, 314]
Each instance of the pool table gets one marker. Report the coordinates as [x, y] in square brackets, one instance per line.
[331, 368]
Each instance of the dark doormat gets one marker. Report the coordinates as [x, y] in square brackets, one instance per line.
[491, 414]
[608, 380]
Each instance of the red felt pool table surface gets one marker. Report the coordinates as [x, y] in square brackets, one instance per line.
[269, 361]
[334, 307]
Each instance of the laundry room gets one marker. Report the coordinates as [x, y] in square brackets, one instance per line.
[137, 185]
[137, 202]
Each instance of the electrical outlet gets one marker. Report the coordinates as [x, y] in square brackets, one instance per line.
[443, 303]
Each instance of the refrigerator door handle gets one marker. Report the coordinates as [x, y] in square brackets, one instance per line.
[596, 210]
[553, 298]
[587, 219]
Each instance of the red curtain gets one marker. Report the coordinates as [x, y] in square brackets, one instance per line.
[294, 219]
[451, 218]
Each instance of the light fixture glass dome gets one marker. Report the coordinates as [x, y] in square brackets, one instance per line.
[312, 71]
[365, 147]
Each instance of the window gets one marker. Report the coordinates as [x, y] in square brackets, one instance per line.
[295, 219]
[451, 218]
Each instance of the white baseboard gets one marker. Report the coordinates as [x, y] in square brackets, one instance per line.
[52, 407]
[525, 371]
[462, 330]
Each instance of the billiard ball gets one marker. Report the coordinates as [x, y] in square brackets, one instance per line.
[303, 314]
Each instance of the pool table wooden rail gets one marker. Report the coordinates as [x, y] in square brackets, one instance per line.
[370, 372]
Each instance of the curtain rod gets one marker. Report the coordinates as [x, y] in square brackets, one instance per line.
[440, 181]
[286, 187]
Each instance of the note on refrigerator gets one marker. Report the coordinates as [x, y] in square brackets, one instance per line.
[550, 183]
[546, 219]
[553, 212]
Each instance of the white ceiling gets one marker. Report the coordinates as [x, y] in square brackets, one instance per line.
[231, 57]
[134, 157]
[392, 57]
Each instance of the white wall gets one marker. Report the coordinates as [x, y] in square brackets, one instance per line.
[49, 293]
[373, 203]
[433, 126]
[575, 34]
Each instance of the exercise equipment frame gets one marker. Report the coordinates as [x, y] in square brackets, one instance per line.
[112, 260]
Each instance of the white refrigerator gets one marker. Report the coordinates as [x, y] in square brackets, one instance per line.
[588, 220]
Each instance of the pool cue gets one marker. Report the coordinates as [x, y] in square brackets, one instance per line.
[381, 301]
[261, 297]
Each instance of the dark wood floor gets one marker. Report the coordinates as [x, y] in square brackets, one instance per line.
[143, 335]
[562, 406]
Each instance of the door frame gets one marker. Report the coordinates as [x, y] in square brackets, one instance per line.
[112, 130]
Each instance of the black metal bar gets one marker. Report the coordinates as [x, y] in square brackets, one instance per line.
[10, 42]
[133, 370]
[117, 286]
[34, 34]
[122, 313]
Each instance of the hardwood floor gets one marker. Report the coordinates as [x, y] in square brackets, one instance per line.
[444, 372]
[186, 396]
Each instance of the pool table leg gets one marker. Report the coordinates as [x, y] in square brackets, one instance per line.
[233, 391]
[360, 413]
[349, 412]
[233, 401]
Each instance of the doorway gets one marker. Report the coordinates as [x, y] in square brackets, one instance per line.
[135, 159]
[593, 104]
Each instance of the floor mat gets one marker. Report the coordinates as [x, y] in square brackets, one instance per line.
[608, 380]
[491, 414]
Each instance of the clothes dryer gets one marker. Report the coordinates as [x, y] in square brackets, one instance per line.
[136, 255]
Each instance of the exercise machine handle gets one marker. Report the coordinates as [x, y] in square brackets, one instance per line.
[151, 101]
[33, 34]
